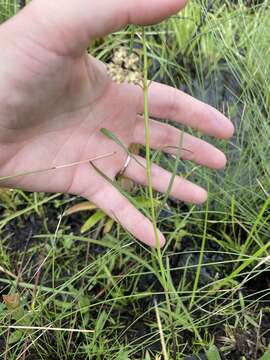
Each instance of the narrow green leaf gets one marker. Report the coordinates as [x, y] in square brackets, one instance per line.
[84, 303]
[147, 356]
[114, 138]
[15, 336]
[266, 356]
[92, 221]
[174, 173]
[108, 226]
[143, 202]
[213, 353]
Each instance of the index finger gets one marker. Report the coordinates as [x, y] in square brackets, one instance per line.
[71, 25]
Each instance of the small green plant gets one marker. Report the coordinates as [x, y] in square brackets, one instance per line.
[17, 312]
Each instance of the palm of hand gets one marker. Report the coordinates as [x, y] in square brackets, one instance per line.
[53, 106]
[60, 119]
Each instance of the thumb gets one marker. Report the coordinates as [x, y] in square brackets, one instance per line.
[70, 25]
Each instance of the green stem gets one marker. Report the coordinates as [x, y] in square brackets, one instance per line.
[199, 268]
[147, 141]
[163, 279]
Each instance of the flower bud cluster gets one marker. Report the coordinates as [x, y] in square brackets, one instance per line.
[125, 67]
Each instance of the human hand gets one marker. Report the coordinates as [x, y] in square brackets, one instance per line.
[55, 98]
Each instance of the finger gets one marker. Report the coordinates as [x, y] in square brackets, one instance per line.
[167, 138]
[169, 103]
[182, 189]
[113, 203]
[79, 22]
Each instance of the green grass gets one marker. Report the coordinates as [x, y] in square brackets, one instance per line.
[210, 282]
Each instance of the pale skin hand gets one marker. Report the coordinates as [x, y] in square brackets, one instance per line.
[55, 98]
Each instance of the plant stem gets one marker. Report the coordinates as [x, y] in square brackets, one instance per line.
[147, 140]
[198, 272]
[163, 279]
[162, 340]
[58, 167]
